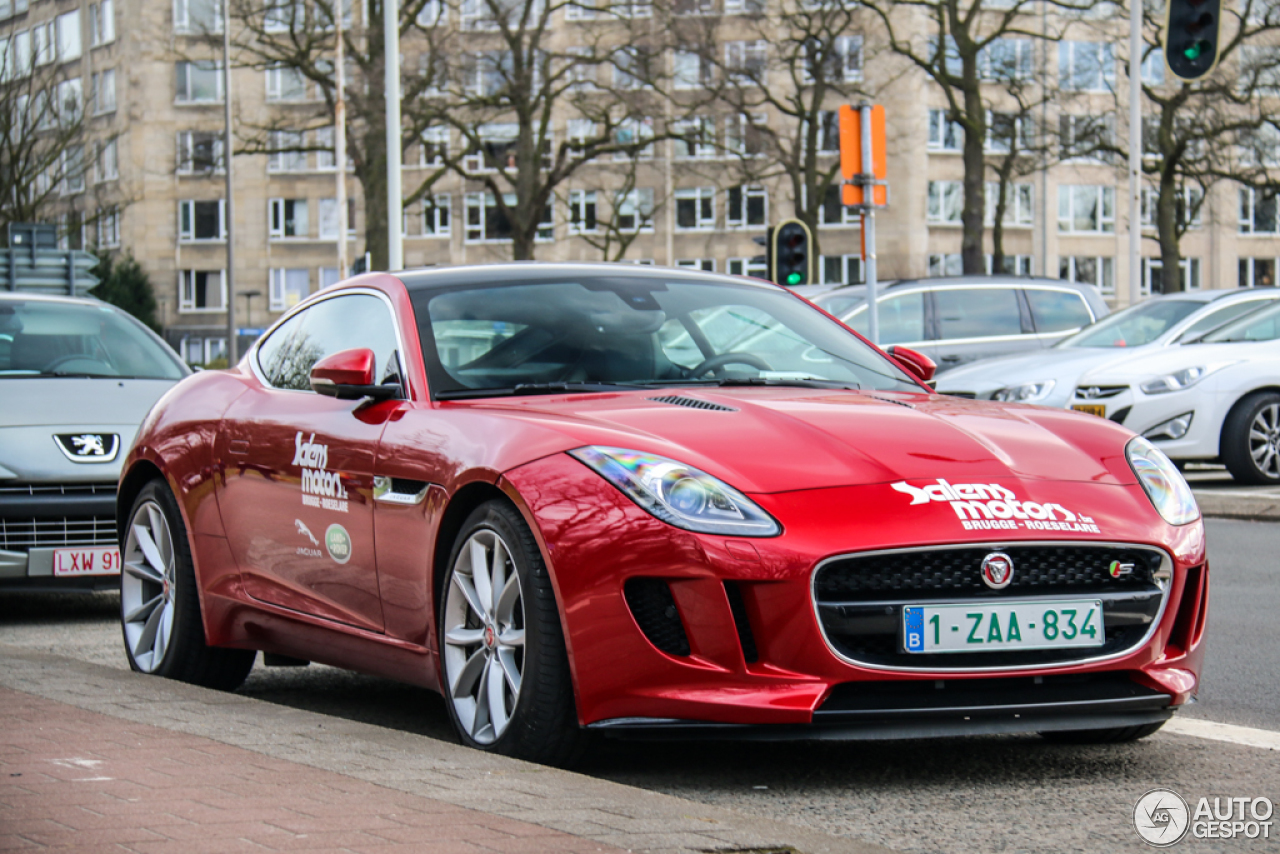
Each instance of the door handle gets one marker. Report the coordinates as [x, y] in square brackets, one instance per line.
[239, 446]
[948, 358]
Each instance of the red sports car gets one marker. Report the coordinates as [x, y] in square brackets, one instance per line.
[654, 502]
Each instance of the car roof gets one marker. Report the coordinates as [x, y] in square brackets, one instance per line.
[516, 272]
[983, 279]
[27, 296]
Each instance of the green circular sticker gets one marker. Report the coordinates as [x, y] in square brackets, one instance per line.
[338, 542]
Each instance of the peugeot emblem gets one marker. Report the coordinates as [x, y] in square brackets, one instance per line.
[1091, 392]
[88, 447]
[997, 571]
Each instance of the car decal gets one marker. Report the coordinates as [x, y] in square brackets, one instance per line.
[320, 487]
[989, 506]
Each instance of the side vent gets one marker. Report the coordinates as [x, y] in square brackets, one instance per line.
[692, 403]
[655, 611]
[739, 608]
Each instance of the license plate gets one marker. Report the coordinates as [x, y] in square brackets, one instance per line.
[103, 560]
[1098, 409]
[991, 627]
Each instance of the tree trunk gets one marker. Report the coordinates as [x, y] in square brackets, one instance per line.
[373, 183]
[975, 167]
[1167, 225]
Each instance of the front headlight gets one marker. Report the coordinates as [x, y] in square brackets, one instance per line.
[1179, 380]
[1025, 393]
[678, 494]
[1162, 482]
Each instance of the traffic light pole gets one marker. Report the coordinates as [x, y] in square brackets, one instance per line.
[869, 227]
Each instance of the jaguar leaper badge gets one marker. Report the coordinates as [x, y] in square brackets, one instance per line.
[88, 447]
[997, 571]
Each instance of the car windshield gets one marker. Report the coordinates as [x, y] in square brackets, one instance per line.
[1261, 325]
[603, 331]
[1134, 326]
[52, 339]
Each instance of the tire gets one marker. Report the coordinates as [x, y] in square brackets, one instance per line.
[1114, 735]
[159, 603]
[1251, 439]
[503, 663]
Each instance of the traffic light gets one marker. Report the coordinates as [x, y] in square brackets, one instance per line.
[791, 262]
[1191, 37]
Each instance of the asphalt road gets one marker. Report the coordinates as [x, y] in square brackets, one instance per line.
[1011, 793]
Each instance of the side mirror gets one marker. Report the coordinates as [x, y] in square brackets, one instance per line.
[348, 375]
[913, 362]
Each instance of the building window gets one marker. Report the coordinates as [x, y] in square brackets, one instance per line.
[696, 209]
[287, 152]
[834, 211]
[1006, 129]
[631, 67]
[494, 149]
[1019, 209]
[746, 206]
[745, 61]
[637, 133]
[582, 212]
[202, 290]
[840, 60]
[288, 288]
[1099, 272]
[329, 218]
[436, 215]
[1153, 67]
[201, 220]
[72, 169]
[1086, 137]
[840, 269]
[1153, 275]
[199, 82]
[70, 104]
[948, 264]
[286, 84]
[485, 222]
[1006, 60]
[945, 203]
[107, 163]
[199, 152]
[1086, 66]
[1258, 212]
[633, 211]
[289, 219]
[1086, 209]
[202, 351]
[707, 265]
[109, 228]
[282, 16]
[68, 34]
[581, 75]
[944, 134]
[697, 138]
[102, 23]
[1257, 273]
[1012, 265]
[746, 267]
[743, 7]
[744, 134]
[197, 16]
[329, 276]
[434, 148]
[44, 43]
[104, 91]
[1186, 203]
[691, 70]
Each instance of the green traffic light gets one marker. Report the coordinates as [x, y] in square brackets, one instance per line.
[794, 278]
[1193, 51]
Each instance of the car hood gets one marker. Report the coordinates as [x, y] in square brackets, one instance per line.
[777, 440]
[1140, 367]
[36, 410]
[1060, 364]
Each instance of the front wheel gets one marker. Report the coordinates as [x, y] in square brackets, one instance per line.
[159, 603]
[506, 672]
[1251, 439]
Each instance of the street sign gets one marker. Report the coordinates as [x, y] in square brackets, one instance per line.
[851, 165]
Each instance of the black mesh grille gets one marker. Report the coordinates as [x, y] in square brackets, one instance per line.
[692, 403]
[739, 608]
[956, 572]
[24, 526]
[655, 611]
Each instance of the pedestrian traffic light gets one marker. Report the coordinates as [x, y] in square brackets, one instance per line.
[791, 262]
[1191, 37]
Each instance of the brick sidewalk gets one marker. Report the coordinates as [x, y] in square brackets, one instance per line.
[79, 780]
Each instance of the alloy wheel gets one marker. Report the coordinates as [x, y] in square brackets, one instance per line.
[484, 636]
[147, 586]
[1264, 440]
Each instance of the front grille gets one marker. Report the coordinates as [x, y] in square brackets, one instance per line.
[860, 598]
[1099, 392]
[37, 522]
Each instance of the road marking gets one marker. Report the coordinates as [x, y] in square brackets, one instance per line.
[1248, 736]
[1236, 493]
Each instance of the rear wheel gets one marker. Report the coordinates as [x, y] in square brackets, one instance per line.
[506, 672]
[159, 602]
[1113, 735]
[1251, 439]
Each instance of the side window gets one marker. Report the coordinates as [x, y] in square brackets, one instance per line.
[901, 319]
[977, 312]
[1057, 311]
[1216, 318]
[325, 328]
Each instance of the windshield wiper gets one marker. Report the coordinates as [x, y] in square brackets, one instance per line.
[532, 388]
[781, 382]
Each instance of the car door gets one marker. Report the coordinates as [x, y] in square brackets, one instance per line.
[296, 498]
[978, 322]
[1056, 313]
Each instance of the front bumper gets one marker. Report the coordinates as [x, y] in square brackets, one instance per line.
[754, 650]
[38, 520]
[1142, 412]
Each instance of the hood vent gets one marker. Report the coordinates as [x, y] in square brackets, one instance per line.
[692, 403]
[891, 400]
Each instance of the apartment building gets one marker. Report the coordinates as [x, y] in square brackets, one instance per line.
[150, 82]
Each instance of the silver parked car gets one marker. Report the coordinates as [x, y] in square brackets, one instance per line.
[77, 376]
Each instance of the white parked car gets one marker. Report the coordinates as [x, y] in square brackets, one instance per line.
[1216, 399]
[1049, 377]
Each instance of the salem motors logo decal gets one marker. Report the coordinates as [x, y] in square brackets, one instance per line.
[320, 487]
[989, 506]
